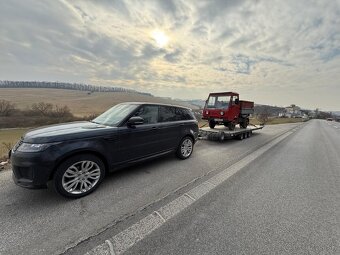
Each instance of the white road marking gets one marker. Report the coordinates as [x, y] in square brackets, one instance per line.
[187, 195]
[138, 231]
[160, 215]
[110, 247]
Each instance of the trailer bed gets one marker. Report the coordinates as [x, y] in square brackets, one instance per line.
[222, 133]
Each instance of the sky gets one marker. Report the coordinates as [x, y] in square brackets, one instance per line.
[271, 52]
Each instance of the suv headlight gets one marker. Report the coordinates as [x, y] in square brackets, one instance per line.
[34, 147]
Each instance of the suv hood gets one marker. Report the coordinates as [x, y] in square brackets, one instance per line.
[67, 131]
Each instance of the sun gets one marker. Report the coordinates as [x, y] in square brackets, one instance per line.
[160, 38]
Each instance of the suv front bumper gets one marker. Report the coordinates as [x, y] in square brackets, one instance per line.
[31, 170]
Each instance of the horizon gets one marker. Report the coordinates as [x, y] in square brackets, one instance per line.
[277, 53]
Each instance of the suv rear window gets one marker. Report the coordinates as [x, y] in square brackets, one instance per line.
[184, 114]
[171, 113]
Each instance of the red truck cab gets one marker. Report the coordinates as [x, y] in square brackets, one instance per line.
[226, 108]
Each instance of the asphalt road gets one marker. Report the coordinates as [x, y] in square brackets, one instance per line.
[41, 222]
[285, 202]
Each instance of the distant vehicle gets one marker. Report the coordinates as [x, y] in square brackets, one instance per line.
[226, 108]
[76, 156]
[329, 119]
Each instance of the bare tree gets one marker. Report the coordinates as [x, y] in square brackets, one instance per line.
[263, 116]
[61, 111]
[42, 108]
[6, 108]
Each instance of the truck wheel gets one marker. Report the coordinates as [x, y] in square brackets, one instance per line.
[231, 126]
[79, 175]
[244, 123]
[212, 123]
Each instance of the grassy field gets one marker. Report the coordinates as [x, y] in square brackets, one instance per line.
[9, 137]
[80, 102]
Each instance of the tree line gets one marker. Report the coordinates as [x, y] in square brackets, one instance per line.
[64, 85]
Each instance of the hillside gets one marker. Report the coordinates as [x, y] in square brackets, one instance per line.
[81, 103]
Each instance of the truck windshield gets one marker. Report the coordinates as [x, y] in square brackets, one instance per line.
[115, 115]
[218, 102]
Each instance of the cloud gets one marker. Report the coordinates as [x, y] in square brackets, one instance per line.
[213, 45]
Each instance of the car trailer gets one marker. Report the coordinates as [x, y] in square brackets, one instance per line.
[221, 133]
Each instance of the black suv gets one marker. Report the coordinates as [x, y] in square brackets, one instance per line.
[75, 156]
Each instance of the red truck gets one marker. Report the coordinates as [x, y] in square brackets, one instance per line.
[226, 108]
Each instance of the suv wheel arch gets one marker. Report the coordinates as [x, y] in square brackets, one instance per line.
[75, 153]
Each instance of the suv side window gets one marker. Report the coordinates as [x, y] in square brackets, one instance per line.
[184, 114]
[149, 113]
[167, 113]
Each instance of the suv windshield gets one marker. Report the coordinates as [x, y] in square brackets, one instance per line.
[218, 102]
[115, 115]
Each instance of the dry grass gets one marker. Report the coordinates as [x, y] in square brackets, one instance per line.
[8, 137]
[80, 102]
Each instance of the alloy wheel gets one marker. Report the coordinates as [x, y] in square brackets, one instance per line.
[186, 147]
[81, 177]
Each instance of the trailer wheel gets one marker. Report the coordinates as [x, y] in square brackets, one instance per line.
[221, 136]
[240, 137]
[212, 124]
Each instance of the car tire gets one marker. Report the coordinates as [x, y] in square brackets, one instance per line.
[185, 148]
[79, 175]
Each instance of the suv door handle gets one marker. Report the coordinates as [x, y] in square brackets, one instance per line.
[110, 138]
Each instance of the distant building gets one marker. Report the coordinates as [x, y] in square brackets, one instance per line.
[312, 114]
[292, 111]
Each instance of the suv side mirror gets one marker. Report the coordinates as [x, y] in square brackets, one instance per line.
[237, 101]
[134, 121]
